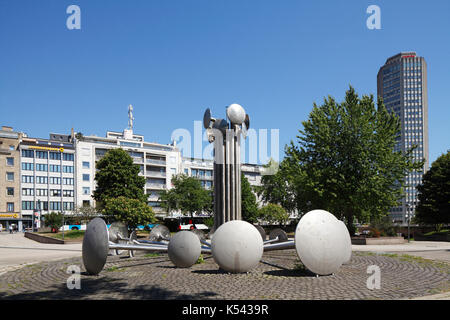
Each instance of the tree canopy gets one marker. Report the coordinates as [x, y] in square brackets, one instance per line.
[132, 212]
[249, 206]
[273, 213]
[187, 195]
[344, 161]
[434, 193]
[118, 176]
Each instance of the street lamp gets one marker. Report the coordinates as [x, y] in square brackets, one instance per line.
[408, 216]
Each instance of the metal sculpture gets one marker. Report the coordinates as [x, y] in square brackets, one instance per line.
[321, 241]
[226, 137]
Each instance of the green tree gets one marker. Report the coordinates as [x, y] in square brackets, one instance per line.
[84, 214]
[168, 200]
[54, 220]
[132, 212]
[434, 193]
[273, 213]
[345, 162]
[279, 187]
[187, 195]
[117, 176]
[249, 206]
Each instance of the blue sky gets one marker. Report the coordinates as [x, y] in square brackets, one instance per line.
[173, 59]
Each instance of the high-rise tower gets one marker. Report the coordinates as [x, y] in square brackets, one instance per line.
[402, 83]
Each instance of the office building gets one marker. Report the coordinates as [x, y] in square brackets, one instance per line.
[47, 176]
[402, 83]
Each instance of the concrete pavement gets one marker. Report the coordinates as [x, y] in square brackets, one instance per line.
[433, 250]
[17, 251]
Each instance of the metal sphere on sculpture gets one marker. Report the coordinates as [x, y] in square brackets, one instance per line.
[115, 229]
[184, 249]
[319, 242]
[347, 242]
[95, 246]
[237, 246]
[236, 113]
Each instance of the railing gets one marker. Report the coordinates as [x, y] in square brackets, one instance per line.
[163, 162]
[155, 185]
[200, 177]
[156, 174]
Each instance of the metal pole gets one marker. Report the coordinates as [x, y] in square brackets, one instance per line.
[63, 225]
[409, 219]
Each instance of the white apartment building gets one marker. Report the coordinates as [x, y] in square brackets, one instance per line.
[158, 163]
[202, 169]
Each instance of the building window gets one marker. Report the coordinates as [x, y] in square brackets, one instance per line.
[41, 167]
[9, 161]
[68, 205]
[41, 154]
[68, 181]
[10, 176]
[27, 166]
[27, 205]
[68, 169]
[55, 168]
[42, 180]
[68, 156]
[27, 153]
[86, 190]
[85, 177]
[86, 203]
[55, 180]
[55, 193]
[9, 191]
[11, 148]
[54, 205]
[86, 164]
[67, 193]
[10, 206]
[27, 192]
[41, 192]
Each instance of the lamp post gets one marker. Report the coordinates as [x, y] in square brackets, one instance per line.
[63, 225]
[408, 216]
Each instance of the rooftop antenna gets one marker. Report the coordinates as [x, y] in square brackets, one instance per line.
[130, 117]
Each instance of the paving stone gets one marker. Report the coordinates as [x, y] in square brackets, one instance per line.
[277, 277]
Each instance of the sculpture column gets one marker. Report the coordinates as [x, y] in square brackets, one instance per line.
[226, 137]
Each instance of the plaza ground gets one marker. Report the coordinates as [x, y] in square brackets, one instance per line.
[30, 270]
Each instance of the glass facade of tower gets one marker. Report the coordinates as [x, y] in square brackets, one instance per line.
[403, 86]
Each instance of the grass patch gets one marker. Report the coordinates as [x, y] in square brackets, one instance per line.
[72, 235]
[115, 268]
[365, 253]
[200, 259]
[442, 232]
[392, 255]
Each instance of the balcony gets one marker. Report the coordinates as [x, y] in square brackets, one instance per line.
[137, 160]
[156, 174]
[153, 161]
[155, 185]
